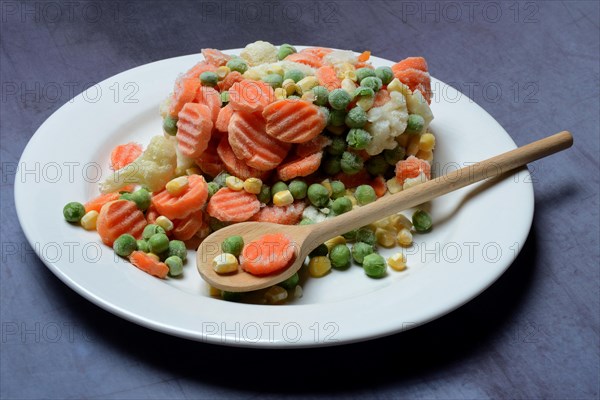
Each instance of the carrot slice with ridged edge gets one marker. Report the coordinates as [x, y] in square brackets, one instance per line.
[313, 146]
[194, 129]
[215, 57]
[152, 214]
[319, 52]
[294, 121]
[229, 80]
[286, 215]
[211, 99]
[412, 71]
[411, 63]
[124, 154]
[186, 228]
[232, 206]
[302, 166]
[198, 69]
[305, 58]
[327, 77]
[235, 166]
[250, 96]
[148, 264]
[411, 167]
[189, 200]
[250, 142]
[223, 118]
[96, 203]
[209, 162]
[267, 254]
[117, 218]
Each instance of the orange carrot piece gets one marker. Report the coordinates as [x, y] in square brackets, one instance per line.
[382, 97]
[191, 199]
[198, 69]
[409, 63]
[209, 162]
[223, 118]
[287, 215]
[229, 80]
[124, 154]
[379, 186]
[148, 264]
[411, 167]
[305, 58]
[117, 218]
[327, 77]
[412, 71]
[186, 228]
[235, 166]
[294, 121]
[232, 206]
[300, 167]
[351, 181]
[313, 146]
[185, 92]
[267, 254]
[96, 203]
[152, 214]
[211, 99]
[250, 96]
[215, 57]
[194, 129]
[364, 56]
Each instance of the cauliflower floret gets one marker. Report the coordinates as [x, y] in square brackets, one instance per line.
[417, 180]
[340, 56]
[313, 213]
[163, 109]
[417, 104]
[386, 123]
[259, 53]
[153, 168]
[262, 70]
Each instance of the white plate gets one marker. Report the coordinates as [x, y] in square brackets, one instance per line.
[473, 242]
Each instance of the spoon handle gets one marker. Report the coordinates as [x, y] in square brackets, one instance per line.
[429, 190]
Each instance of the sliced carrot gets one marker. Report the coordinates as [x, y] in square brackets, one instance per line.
[235, 166]
[313, 146]
[287, 215]
[411, 62]
[267, 254]
[96, 203]
[251, 144]
[379, 186]
[194, 129]
[327, 77]
[306, 58]
[302, 166]
[148, 264]
[186, 228]
[411, 167]
[215, 57]
[294, 121]
[117, 218]
[364, 56]
[124, 154]
[209, 162]
[229, 80]
[232, 206]
[250, 96]
[185, 92]
[412, 71]
[319, 52]
[198, 69]
[223, 118]
[189, 200]
[382, 97]
[211, 99]
[152, 214]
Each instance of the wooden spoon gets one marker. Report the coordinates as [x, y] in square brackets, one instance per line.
[307, 237]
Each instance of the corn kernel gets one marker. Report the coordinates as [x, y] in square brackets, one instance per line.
[290, 87]
[396, 86]
[343, 69]
[234, 183]
[307, 83]
[298, 291]
[397, 262]
[193, 171]
[385, 238]
[253, 185]
[177, 185]
[327, 185]
[331, 243]
[426, 155]
[88, 221]
[413, 145]
[309, 96]
[252, 75]
[427, 141]
[282, 199]
[276, 69]
[366, 102]
[280, 93]
[213, 291]
[400, 221]
[319, 266]
[164, 223]
[404, 238]
[222, 72]
[276, 295]
[225, 263]
[350, 195]
[153, 256]
[393, 185]
[349, 86]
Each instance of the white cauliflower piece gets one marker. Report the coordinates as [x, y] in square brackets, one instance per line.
[163, 109]
[385, 123]
[417, 104]
[313, 213]
[417, 180]
[259, 53]
[262, 70]
[340, 56]
[153, 168]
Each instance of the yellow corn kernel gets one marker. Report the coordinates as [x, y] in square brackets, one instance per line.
[298, 291]
[276, 295]
[426, 155]
[213, 291]
[393, 185]
[413, 145]
[404, 238]
[366, 102]
[403, 139]
[327, 185]
[290, 87]
[153, 256]
[383, 223]
[307, 83]
[280, 93]
[427, 141]
[399, 221]
[177, 185]
[309, 96]
[282, 199]
[385, 238]
[193, 171]
[225, 263]
[253, 185]
[222, 72]
[349, 86]
[319, 266]
[164, 223]
[331, 243]
[397, 262]
[234, 183]
[336, 130]
[88, 221]
[275, 69]
[396, 86]
[343, 69]
[350, 195]
[252, 75]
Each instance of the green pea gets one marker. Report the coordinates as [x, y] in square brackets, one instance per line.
[279, 187]
[374, 265]
[126, 196]
[170, 125]
[274, 80]
[393, 156]
[339, 99]
[124, 245]
[213, 187]
[358, 138]
[337, 146]
[363, 73]
[338, 189]
[73, 211]
[341, 205]
[306, 221]
[415, 124]
[372, 82]
[356, 118]
[331, 165]
[321, 95]
[351, 163]
[363, 91]
[366, 235]
[360, 250]
[336, 117]
[340, 256]
[422, 221]
[298, 189]
[209, 78]
[216, 224]
[318, 195]
[385, 74]
[177, 248]
[225, 97]
[175, 265]
[142, 245]
[237, 64]
[351, 235]
[220, 179]
[365, 194]
[158, 243]
[291, 282]
[151, 230]
[377, 165]
[325, 112]
[141, 198]
[322, 250]
[233, 245]
[265, 194]
[293, 74]
[285, 50]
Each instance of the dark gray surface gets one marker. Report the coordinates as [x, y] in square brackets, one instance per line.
[533, 334]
